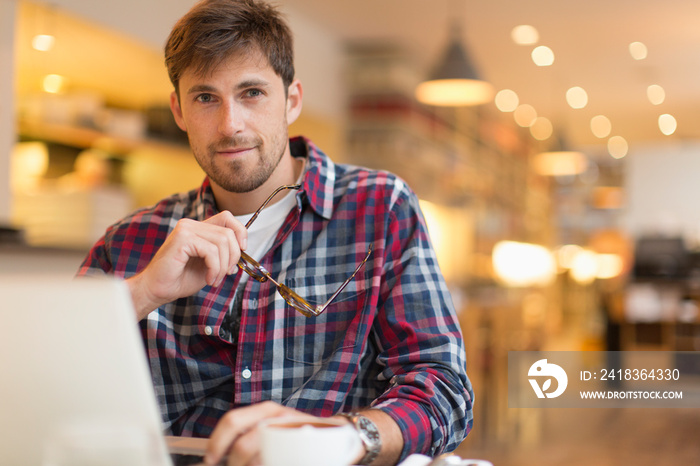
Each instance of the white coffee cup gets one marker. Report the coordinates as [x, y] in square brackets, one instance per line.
[297, 441]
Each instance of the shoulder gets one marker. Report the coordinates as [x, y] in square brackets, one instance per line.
[155, 220]
[380, 183]
[349, 184]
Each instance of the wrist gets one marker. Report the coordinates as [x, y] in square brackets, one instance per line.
[141, 298]
[369, 435]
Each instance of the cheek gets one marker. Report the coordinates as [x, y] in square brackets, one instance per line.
[197, 129]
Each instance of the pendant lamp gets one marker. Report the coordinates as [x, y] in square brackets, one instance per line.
[560, 160]
[455, 81]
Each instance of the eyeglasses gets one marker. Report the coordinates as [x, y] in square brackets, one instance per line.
[258, 272]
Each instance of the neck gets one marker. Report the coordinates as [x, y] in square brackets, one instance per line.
[287, 172]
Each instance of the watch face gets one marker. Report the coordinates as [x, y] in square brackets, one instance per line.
[369, 434]
[369, 429]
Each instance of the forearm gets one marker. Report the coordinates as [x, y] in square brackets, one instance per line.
[432, 405]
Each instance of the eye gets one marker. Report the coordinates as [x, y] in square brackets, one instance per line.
[205, 98]
[254, 93]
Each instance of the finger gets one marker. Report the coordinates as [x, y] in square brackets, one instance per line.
[212, 245]
[227, 249]
[226, 219]
[246, 449]
[209, 253]
[255, 460]
[228, 430]
[237, 233]
[238, 422]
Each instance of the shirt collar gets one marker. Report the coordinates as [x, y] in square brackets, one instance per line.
[319, 179]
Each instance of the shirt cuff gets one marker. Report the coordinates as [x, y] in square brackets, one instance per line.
[414, 422]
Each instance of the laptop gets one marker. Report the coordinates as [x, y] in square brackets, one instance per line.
[75, 377]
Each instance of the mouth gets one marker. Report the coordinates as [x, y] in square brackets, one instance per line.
[234, 151]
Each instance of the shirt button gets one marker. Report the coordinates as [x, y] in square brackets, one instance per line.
[254, 303]
[208, 330]
[247, 373]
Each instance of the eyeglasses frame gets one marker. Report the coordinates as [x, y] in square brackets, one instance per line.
[259, 273]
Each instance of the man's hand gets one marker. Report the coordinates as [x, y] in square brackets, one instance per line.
[237, 435]
[195, 254]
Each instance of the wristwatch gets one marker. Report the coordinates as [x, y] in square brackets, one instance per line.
[369, 435]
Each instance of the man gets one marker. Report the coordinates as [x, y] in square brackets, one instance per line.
[227, 351]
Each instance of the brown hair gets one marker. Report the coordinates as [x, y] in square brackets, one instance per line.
[214, 29]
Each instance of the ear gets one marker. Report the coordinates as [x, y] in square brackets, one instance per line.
[177, 111]
[294, 97]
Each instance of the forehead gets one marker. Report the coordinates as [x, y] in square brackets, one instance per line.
[236, 65]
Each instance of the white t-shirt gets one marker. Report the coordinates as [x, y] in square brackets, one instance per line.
[262, 233]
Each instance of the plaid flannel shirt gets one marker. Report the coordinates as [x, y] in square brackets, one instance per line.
[390, 340]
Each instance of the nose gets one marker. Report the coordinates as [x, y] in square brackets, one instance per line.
[231, 120]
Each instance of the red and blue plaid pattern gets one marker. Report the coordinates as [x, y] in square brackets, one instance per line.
[390, 340]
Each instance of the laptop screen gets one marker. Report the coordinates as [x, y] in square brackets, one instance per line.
[73, 364]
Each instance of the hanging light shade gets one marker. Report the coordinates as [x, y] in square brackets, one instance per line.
[455, 81]
[560, 161]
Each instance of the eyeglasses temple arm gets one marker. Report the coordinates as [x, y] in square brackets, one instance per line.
[267, 201]
[321, 308]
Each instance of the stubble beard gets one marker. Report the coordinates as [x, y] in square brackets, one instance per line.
[233, 175]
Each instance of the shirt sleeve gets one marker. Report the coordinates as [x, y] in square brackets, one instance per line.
[421, 346]
[96, 262]
[129, 244]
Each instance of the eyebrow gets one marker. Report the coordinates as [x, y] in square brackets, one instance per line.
[242, 85]
[200, 88]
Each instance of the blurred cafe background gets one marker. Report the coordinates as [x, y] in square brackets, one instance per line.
[561, 189]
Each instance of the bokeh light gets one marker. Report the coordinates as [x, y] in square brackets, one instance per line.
[667, 124]
[617, 147]
[541, 129]
[577, 97]
[525, 115]
[525, 35]
[656, 94]
[638, 50]
[601, 126]
[543, 56]
[506, 100]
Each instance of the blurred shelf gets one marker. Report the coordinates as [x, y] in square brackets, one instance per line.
[85, 138]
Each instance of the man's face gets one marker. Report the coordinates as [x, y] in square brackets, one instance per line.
[236, 119]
